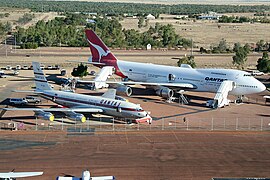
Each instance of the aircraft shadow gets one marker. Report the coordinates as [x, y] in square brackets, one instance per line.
[181, 115]
[264, 115]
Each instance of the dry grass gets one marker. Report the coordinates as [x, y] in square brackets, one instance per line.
[231, 2]
[15, 14]
[207, 33]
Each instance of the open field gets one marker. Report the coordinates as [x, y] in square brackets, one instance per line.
[15, 14]
[206, 33]
[170, 2]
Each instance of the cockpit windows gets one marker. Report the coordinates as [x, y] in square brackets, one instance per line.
[247, 75]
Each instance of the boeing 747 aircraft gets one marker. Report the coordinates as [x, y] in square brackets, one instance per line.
[79, 103]
[166, 80]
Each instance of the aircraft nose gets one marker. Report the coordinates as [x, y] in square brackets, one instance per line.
[261, 87]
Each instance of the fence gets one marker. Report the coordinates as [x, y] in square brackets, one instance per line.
[200, 124]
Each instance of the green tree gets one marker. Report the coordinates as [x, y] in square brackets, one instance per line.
[240, 57]
[236, 47]
[263, 63]
[221, 48]
[140, 22]
[187, 60]
[80, 71]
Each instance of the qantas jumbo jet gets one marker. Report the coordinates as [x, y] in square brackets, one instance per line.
[165, 80]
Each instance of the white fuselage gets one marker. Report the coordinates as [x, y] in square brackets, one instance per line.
[110, 107]
[205, 80]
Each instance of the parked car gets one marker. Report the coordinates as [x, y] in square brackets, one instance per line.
[257, 73]
[31, 99]
[18, 67]
[25, 67]
[49, 67]
[63, 72]
[57, 67]
[92, 73]
[8, 67]
[17, 101]
[15, 72]
[42, 66]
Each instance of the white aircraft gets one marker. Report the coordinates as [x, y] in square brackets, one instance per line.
[13, 175]
[78, 103]
[85, 176]
[166, 80]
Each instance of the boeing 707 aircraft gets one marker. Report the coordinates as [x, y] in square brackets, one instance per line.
[79, 103]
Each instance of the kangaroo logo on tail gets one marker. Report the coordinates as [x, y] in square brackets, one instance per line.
[100, 50]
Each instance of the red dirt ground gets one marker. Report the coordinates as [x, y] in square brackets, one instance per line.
[140, 155]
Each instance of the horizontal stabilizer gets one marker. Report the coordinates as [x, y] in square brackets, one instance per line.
[111, 93]
[87, 62]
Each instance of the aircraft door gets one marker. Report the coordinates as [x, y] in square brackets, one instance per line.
[171, 77]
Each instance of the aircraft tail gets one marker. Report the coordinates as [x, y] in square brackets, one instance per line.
[100, 52]
[40, 79]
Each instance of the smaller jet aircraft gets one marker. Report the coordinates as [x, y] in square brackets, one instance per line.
[75, 104]
[85, 176]
[13, 175]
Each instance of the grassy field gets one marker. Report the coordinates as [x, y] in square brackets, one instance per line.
[206, 33]
[15, 14]
[235, 2]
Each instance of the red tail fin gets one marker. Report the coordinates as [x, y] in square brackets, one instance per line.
[100, 52]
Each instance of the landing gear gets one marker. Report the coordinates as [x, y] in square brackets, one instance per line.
[182, 98]
[239, 99]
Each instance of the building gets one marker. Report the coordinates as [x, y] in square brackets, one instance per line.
[148, 47]
[150, 16]
[210, 16]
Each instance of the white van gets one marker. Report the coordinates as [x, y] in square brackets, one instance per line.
[17, 101]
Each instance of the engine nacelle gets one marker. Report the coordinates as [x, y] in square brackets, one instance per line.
[123, 90]
[77, 117]
[86, 175]
[44, 115]
[165, 92]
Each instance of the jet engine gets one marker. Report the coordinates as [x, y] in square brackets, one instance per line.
[165, 92]
[77, 117]
[44, 115]
[123, 90]
[86, 175]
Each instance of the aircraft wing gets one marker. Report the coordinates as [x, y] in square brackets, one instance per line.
[33, 92]
[19, 174]
[103, 178]
[173, 85]
[82, 110]
[86, 62]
